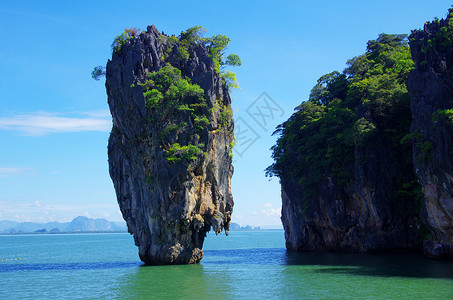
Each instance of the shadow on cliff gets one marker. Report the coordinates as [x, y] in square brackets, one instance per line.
[384, 265]
[381, 265]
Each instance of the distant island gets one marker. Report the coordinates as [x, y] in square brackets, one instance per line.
[80, 225]
[77, 225]
[237, 227]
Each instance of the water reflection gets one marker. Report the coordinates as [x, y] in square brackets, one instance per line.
[403, 265]
[275, 273]
[180, 281]
[262, 256]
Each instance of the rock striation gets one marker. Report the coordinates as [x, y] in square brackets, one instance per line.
[431, 88]
[170, 146]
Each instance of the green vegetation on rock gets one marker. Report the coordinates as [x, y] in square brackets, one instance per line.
[167, 93]
[443, 115]
[98, 72]
[216, 45]
[173, 101]
[364, 106]
[177, 152]
[166, 90]
[443, 39]
[120, 40]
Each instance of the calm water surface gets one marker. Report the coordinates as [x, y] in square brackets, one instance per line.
[245, 265]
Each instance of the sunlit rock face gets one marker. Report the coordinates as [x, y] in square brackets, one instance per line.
[431, 88]
[171, 165]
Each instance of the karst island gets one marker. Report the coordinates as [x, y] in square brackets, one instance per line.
[170, 149]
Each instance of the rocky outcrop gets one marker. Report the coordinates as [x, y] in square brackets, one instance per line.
[431, 88]
[363, 216]
[347, 179]
[169, 149]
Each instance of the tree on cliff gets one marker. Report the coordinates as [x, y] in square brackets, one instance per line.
[345, 111]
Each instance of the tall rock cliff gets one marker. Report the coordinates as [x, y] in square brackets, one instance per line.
[347, 180]
[366, 164]
[431, 90]
[362, 216]
[170, 147]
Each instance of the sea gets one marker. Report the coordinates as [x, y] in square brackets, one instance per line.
[243, 265]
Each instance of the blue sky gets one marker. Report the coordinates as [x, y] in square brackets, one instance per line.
[54, 119]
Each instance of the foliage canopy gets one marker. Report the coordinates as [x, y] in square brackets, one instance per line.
[217, 46]
[366, 104]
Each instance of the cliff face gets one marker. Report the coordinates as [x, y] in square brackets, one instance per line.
[431, 89]
[362, 216]
[347, 179]
[169, 149]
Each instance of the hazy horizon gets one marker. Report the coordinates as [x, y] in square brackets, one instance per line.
[123, 223]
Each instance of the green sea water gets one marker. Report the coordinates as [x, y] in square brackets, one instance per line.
[244, 265]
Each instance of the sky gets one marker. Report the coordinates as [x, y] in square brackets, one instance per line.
[54, 118]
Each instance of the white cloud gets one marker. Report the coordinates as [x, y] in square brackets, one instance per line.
[7, 172]
[266, 216]
[105, 113]
[37, 211]
[271, 211]
[42, 123]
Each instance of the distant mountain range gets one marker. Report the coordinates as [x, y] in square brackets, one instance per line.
[78, 224]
